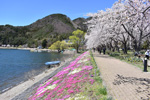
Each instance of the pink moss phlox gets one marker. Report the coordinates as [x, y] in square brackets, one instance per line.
[40, 88]
[78, 65]
[58, 94]
[66, 96]
[77, 90]
[78, 81]
[61, 73]
[74, 86]
[87, 68]
[80, 76]
[73, 68]
[86, 73]
[60, 91]
[89, 59]
[68, 67]
[47, 83]
[49, 96]
[77, 78]
[57, 81]
[85, 78]
[61, 77]
[70, 91]
[92, 81]
[78, 87]
[69, 81]
[73, 63]
[53, 96]
[74, 75]
[59, 99]
[68, 86]
[77, 59]
[38, 95]
[39, 91]
[55, 89]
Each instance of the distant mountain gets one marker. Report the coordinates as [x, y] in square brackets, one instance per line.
[57, 22]
[52, 28]
[80, 22]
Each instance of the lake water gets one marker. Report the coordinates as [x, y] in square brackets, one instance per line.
[17, 66]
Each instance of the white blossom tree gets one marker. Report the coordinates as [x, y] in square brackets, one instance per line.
[126, 19]
[137, 23]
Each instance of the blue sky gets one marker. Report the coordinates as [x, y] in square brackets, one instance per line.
[25, 12]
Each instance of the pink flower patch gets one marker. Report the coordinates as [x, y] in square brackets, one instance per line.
[87, 68]
[92, 81]
[57, 81]
[70, 91]
[77, 90]
[66, 96]
[71, 83]
[60, 91]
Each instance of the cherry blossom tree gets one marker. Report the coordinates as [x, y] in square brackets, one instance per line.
[137, 23]
[126, 20]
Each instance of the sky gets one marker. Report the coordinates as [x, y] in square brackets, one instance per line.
[25, 12]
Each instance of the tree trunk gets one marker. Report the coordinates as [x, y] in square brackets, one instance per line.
[77, 49]
[116, 46]
[139, 44]
[135, 45]
[125, 51]
[118, 49]
[108, 46]
[111, 47]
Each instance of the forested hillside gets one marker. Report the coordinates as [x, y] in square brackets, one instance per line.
[52, 28]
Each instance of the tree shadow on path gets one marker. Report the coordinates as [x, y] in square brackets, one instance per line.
[142, 84]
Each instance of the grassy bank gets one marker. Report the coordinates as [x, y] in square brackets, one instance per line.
[79, 80]
[129, 58]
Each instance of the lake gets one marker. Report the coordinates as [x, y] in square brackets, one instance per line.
[17, 66]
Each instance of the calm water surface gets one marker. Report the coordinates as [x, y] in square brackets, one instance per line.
[18, 65]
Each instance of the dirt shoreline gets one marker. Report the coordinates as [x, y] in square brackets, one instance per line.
[25, 89]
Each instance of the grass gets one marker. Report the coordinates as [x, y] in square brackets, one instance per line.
[129, 58]
[99, 89]
[96, 91]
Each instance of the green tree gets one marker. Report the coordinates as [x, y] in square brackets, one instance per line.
[77, 39]
[63, 45]
[44, 43]
[59, 45]
[56, 46]
[19, 41]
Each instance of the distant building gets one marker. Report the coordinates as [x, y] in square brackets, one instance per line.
[39, 47]
[4, 45]
[8, 45]
[25, 46]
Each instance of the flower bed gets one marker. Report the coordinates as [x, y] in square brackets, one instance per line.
[76, 81]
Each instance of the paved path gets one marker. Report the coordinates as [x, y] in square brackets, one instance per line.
[123, 81]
